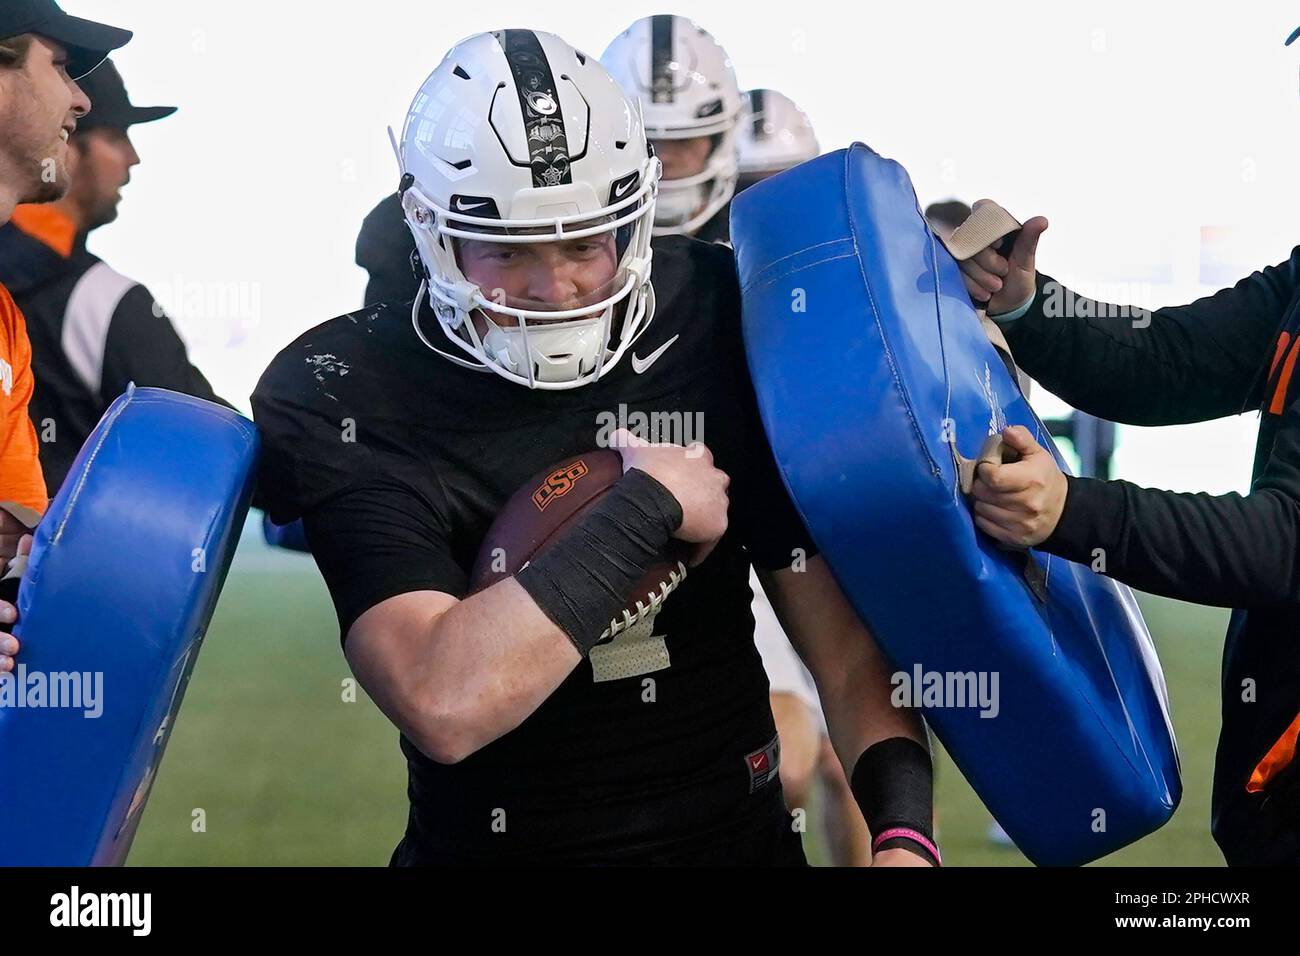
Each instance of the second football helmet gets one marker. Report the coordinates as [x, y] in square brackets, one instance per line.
[687, 88]
[774, 134]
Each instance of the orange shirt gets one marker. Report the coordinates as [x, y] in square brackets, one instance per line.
[21, 479]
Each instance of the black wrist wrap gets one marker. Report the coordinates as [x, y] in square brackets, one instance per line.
[893, 782]
[586, 577]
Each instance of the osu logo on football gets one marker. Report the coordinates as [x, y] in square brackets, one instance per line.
[558, 483]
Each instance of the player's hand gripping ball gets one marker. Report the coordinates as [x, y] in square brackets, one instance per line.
[548, 505]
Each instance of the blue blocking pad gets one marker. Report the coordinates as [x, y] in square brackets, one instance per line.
[871, 367]
[124, 574]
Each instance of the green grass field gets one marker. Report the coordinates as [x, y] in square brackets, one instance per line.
[285, 771]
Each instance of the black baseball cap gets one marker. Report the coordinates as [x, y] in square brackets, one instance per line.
[86, 41]
[110, 108]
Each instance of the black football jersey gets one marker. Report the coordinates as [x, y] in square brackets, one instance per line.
[398, 460]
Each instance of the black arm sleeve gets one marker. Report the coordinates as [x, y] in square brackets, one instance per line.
[764, 515]
[1228, 550]
[373, 532]
[142, 347]
[374, 542]
[770, 526]
[1178, 364]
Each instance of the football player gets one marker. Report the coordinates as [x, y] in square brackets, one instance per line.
[683, 80]
[397, 434]
[775, 135]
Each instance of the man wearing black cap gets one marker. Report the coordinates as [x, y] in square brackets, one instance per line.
[93, 330]
[43, 52]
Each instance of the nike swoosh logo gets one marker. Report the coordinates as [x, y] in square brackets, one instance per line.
[639, 365]
[465, 207]
[619, 193]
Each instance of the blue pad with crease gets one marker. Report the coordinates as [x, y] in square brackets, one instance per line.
[873, 376]
[124, 574]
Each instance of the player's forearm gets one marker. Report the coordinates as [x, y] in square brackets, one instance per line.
[455, 675]
[852, 675]
[857, 702]
[491, 661]
[883, 748]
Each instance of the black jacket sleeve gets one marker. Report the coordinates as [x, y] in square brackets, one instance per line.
[1230, 550]
[142, 347]
[1190, 363]
[1175, 365]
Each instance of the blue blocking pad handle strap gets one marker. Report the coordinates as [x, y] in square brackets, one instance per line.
[875, 380]
[124, 574]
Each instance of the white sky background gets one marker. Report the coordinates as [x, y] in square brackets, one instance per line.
[1131, 126]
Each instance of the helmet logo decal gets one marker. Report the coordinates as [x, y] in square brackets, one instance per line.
[484, 206]
[711, 108]
[539, 103]
[621, 188]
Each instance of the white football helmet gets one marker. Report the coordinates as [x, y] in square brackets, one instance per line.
[687, 88]
[516, 138]
[774, 134]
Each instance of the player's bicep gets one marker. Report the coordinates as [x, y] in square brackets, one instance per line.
[385, 648]
[377, 542]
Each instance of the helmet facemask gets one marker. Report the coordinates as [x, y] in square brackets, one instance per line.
[685, 204]
[539, 344]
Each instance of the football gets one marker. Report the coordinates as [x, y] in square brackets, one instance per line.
[551, 502]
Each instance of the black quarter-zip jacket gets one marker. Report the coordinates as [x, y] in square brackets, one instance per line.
[93, 331]
[1221, 355]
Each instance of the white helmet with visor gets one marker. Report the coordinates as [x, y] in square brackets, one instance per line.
[518, 140]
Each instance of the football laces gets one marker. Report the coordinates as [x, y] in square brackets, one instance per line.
[649, 607]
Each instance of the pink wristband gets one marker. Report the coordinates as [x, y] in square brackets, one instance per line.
[910, 835]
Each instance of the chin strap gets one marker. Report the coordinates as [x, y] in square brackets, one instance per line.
[415, 324]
